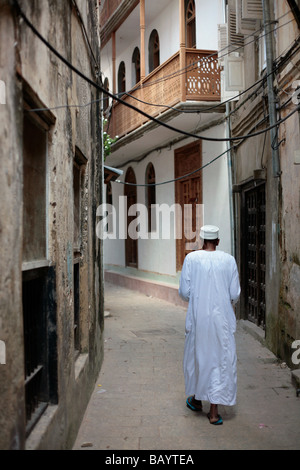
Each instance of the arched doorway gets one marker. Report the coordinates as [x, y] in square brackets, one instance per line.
[121, 78]
[130, 192]
[136, 61]
[154, 53]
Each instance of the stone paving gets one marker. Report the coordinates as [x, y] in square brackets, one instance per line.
[138, 402]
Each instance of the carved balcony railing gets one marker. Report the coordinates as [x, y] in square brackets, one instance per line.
[168, 85]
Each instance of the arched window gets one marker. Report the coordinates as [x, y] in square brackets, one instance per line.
[136, 61]
[150, 197]
[121, 78]
[105, 97]
[190, 22]
[154, 56]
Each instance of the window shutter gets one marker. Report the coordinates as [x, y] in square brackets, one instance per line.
[252, 9]
[245, 25]
[235, 40]
[234, 73]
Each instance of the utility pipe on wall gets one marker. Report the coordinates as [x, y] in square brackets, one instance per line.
[271, 92]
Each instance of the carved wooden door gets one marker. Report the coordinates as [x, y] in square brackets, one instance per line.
[255, 254]
[188, 194]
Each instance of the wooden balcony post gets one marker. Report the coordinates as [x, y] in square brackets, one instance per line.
[182, 49]
[114, 76]
[142, 56]
[142, 32]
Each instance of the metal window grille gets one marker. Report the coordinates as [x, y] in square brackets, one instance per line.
[76, 285]
[256, 255]
[34, 345]
[40, 343]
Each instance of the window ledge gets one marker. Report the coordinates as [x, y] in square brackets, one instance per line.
[29, 265]
[80, 364]
[36, 436]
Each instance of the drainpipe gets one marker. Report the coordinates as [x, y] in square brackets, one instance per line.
[230, 174]
[271, 92]
[272, 202]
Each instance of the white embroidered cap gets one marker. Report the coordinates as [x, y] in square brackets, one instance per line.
[209, 232]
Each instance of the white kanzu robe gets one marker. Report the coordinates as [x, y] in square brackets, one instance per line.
[210, 283]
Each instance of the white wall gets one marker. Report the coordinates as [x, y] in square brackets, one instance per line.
[114, 249]
[215, 188]
[155, 255]
[167, 26]
[208, 15]
[160, 255]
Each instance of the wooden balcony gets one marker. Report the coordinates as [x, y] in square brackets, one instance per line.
[168, 85]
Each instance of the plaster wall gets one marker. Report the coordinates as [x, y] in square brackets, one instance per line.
[159, 255]
[26, 63]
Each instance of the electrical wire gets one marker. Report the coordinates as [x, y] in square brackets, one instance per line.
[179, 177]
[266, 116]
[202, 167]
[100, 88]
[259, 82]
[171, 75]
[85, 34]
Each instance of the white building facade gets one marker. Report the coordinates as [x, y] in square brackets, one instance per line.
[161, 57]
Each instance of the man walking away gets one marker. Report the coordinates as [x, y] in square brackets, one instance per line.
[210, 283]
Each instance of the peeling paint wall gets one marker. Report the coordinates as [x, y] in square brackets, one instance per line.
[282, 194]
[289, 302]
[34, 74]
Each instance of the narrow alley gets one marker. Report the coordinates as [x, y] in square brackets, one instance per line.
[127, 126]
[138, 402]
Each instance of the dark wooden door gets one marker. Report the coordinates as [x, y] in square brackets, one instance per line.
[255, 254]
[131, 248]
[188, 191]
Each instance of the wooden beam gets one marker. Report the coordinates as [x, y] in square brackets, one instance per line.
[142, 32]
[182, 48]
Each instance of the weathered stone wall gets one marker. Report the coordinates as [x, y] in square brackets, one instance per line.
[282, 194]
[73, 134]
[289, 135]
